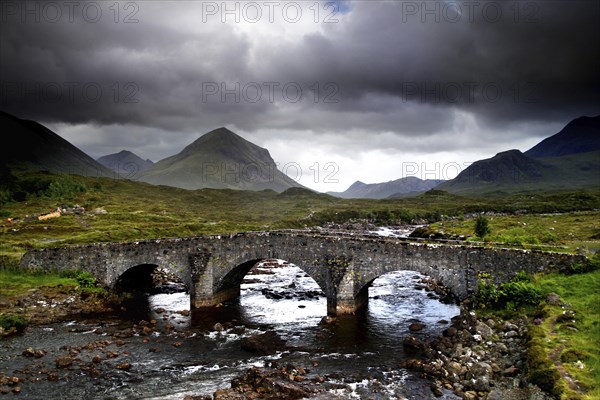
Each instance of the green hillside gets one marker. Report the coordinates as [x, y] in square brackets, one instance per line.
[219, 159]
[514, 172]
[117, 210]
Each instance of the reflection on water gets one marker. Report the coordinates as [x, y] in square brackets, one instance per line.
[194, 358]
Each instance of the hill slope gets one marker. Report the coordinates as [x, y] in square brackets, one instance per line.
[512, 171]
[125, 163]
[398, 187]
[567, 160]
[219, 159]
[581, 135]
[33, 147]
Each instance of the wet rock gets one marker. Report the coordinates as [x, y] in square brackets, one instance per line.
[159, 310]
[263, 344]
[450, 332]
[147, 331]
[185, 313]
[64, 361]
[412, 342]
[416, 326]
[436, 389]
[327, 320]
[125, 366]
[470, 395]
[454, 367]
[31, 352]
[262, 383]
[52, 377]
[218, 327]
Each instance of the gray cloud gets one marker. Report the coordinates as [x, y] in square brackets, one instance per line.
[385, 77]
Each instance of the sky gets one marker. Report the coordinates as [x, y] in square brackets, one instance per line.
[336, 91]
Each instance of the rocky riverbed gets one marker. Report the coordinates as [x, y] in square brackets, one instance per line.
[477, 359]
[275, 343]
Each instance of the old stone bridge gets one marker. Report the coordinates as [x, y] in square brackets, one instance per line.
[344, 266]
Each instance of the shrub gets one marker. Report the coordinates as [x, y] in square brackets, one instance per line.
[64, 188]
[83, 278]
[13, 321]
[487, 291]
[592, 264]
[482, 227]
[510, 295]
[520, 293]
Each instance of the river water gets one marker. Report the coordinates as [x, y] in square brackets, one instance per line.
[361, 353]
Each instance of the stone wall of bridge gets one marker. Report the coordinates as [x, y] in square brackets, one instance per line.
[343, 266]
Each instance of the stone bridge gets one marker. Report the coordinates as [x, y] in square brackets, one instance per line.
[344, 266]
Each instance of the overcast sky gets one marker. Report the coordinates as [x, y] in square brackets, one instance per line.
[365, 90]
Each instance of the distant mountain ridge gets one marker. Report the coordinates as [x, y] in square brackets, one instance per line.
[396, 188]
[219, 159]
[567, 160]
[581, 135]
[125, 163]
[31, 147]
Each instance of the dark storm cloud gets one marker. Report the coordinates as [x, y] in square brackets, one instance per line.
[388, 70]
[538, 64]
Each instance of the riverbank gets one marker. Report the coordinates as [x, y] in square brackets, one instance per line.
[29, 298]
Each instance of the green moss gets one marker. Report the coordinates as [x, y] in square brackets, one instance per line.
[13, 321]
[573, 355]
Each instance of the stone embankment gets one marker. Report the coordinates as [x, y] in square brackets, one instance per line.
[476, 359]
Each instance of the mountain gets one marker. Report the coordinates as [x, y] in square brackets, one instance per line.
[220, 159]
[125, 163]
[512, 171]
[581, 135]
[508, 168]
[568, 160]
[397, 188]
[30, 146]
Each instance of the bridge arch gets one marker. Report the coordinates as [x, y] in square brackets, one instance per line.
[231, 282]
[137, 277]
[226, 273]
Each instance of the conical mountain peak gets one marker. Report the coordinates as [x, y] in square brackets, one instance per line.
[220, 159]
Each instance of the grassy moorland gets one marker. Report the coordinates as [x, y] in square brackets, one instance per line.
[118, 210]
[570, 334]
[573, 231]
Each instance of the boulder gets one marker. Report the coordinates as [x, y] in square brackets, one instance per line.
[483, 329]
[553, 299]
[263, 344]
[64, 361]
[416, 326]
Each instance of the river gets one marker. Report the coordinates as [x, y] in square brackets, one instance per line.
[360, 353]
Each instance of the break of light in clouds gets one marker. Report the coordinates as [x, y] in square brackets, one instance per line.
[370, 86]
